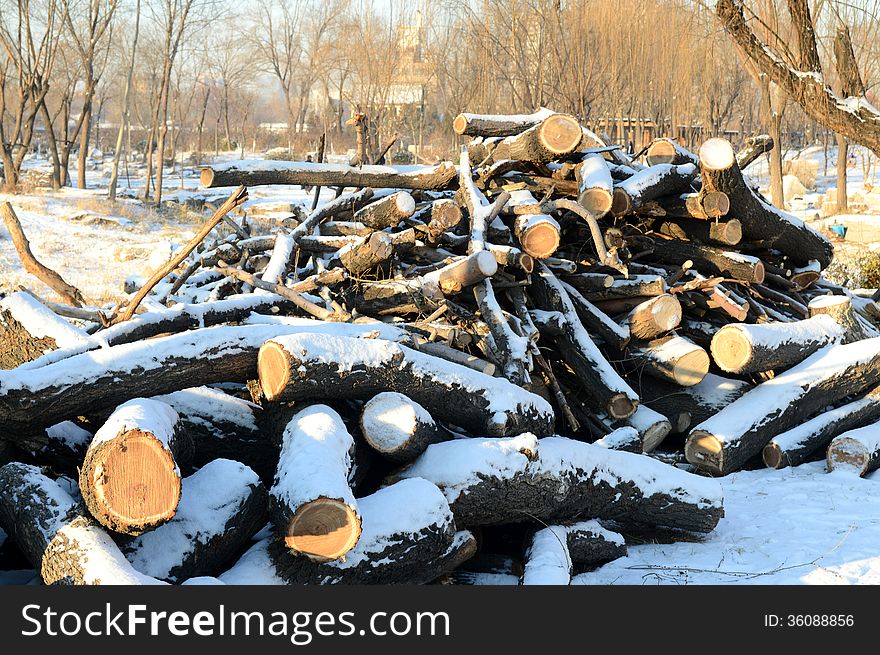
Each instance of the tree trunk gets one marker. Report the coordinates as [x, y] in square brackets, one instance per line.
[28, 329]
[649, 184]
[842, 157]
[387, 212]
[482, 125]
[398, 428]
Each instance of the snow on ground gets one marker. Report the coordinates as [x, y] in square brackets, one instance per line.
[792, 526]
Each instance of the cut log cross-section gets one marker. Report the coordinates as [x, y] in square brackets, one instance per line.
[387, 212]
[301, 367]
[130, 479]
[312, 505]
[538, 234]
[856, 450]
[674, 358]
[398, 428]
[654, 316]
[595, 186]
[668, 151]
[760, 220]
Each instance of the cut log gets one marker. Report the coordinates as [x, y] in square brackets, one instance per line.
[554, 550]
[726, 441]
[668, 151]
[650, 183]
[673, 358]
[607, 390]
[760, 220]
[653, 427]
[387, 212]
[727, 233]
[595, 186]
[409, 537]
[303, 367]
[640, 286]
[222, 506]
[260, 171]
[726, 263]
[366, 253]
[465, 272]
[105, 378]
[398, 428]
[745, 348]
[702, 206]
[686, 407]
[654, 316]
[556, 135]
[793, 447]
[445, 215]
[597, 321]
[538, 234]
[512, 349]
[344, 229]
[512, 257]
[499, 481]
[489, 125]
[56, 536]
[29, 329]
[311, 502]
[221, 426]
[626, 438]
[856, 451]
[130, 478]
[276, 269]
[755, 147]
[805, 276]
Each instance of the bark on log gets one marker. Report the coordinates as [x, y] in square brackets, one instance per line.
[793, 447]
[725, 442]
[625, 438]
[702, 206]
[28, 330]
[686, 407]
[857, 451]
[652, 426]
[607, 390]
[673, 358]
[259, 172]
[499, 481]
[489, 125]
[130, 478]
[635, 286]
[755, 147]
[760, 220]
[387, 212]
[595, 186]
[409, 537]
[651, 183]
[511, 348]
[398, 428]
[538, 234]
[366, 253]
[554, 550]
[597, 321]
[102, 379]
[56, 535]
[556, 135]
[728, 264]
[654, 316]
[222, 506]
[303, 367]
[727, 233]
[69, 294]
[311, 503]
[465, 272]
[668, 151]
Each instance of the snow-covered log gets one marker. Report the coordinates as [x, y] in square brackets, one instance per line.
[130, 478]
[409, 537]
[651, 318]
[311, 503]
[595, 186]
[365, 253]
[303, 367]
[650, 183]
[632, 287]
[673, 358]
[29, 329]
[668, 151]
[260, 171]
[553, 551]
[445, 215]
[105, 378]
[607, 390]
[538, 234]
[686, 407]
[556, 135]
[510, 348]
[794, 446]
[497, 125]
[597, 321]
[519, 479]
[398, 428]
[726, 441]
[222, 506]
[703, 206]
[55, 534]
[707, 259]
[652, 427]
[725, 233]
[387, 211]
[626, 438]
[760, 220]
[755, 147]
[857, 450]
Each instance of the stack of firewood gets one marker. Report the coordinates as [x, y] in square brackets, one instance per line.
[508, 367]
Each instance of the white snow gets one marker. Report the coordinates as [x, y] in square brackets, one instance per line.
[390, 419]
[792, 526]
[144, 414]
[278, 261]
[315, 459]
[40, 321]
[547, 559]
[638, 183]
[619, 437]
[69, 433]
[593, 173]
[207, 403]
[255, 567]
[209, 498]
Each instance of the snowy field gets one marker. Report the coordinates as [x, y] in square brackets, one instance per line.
[792, 526]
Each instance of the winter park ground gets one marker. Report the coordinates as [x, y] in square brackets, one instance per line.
[790, 526]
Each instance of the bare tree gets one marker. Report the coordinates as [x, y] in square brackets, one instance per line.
[126, 115]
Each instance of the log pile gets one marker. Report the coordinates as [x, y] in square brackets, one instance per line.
[442, 369]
